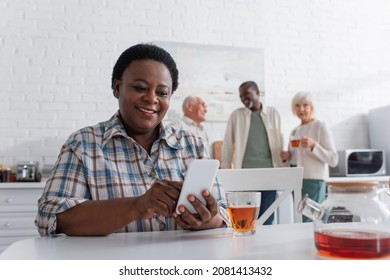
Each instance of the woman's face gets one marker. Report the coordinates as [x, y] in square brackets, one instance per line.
[304, 110]
[144, 94]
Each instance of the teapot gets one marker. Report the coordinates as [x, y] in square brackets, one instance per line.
[352, 222]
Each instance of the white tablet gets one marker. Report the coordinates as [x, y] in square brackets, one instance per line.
[200, 176]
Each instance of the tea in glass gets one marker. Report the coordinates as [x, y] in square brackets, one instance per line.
[243, 209]
[353, 243]
[352, 222]
[295, 142]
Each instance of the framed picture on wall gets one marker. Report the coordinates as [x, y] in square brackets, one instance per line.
[214, 73]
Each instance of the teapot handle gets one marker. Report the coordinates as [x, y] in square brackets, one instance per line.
[310, 208]
[384, 194]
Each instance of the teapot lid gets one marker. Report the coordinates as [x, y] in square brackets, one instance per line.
[356, 186]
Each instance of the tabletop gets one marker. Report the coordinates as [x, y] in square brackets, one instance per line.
[272, 242]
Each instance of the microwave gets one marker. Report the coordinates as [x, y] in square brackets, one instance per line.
[360, 162]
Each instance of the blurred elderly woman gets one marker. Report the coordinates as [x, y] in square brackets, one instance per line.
[314, 148]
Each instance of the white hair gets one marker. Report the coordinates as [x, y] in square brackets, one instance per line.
[302, 97]
[189, 100]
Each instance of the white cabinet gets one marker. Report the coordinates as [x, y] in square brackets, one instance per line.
[18, 208]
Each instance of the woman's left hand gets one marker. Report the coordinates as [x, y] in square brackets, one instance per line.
[206, 216]
[307, 142]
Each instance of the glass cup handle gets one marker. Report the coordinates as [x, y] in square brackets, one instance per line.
[224, 214]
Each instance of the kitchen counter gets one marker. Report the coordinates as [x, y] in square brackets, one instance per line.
[381, 179]
[17, 185]
[18, 208]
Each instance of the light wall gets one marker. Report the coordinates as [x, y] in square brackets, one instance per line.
[57, 56]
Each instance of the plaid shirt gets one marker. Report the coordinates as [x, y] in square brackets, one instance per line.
[103, 162]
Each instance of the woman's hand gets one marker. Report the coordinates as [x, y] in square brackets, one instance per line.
[206, 216]
[307, 142]
[159, 199]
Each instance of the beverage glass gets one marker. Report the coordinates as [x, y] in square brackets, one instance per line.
[295, 141]
[352, 222]
[243, 209]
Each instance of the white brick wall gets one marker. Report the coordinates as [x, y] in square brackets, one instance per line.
[56, 59]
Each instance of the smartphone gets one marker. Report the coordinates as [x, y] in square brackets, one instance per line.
[200, 176]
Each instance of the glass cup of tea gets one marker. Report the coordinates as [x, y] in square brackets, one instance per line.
[243, 209]
[295, 141]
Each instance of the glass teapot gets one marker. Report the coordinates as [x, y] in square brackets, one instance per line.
[352, 222]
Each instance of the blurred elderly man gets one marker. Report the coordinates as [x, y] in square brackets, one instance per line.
[194, 113]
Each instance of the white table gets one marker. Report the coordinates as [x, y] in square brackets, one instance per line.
[275, 242]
